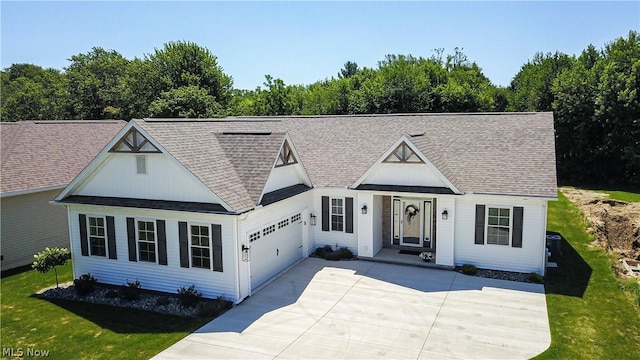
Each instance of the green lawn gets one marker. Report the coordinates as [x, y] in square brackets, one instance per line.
[72, 330]
[622, 195]
[590, 316]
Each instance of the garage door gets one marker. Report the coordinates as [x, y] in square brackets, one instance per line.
[275, 247]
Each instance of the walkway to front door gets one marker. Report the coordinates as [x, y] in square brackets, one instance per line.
[366, 310]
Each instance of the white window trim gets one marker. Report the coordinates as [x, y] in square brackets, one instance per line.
[191, 246]
[331, 214]
[486, 224]
[155, 239]
[106, 244]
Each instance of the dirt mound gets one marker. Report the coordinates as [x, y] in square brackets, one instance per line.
[615, 223]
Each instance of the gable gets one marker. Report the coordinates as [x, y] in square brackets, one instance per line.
[133, 141]
[404, 165]
[134, 166]
[287, 170]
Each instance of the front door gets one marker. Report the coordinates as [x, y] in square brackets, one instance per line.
[411, 222]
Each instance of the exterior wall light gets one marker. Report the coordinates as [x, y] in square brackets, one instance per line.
[445, 215]
[312, 220]
[364, 209]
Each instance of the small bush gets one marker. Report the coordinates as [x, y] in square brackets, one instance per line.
[213, 308]
[111, 294]
[85, 284]
[131, 291]
[333, 256]
[535, 278]
[189, 296]
[469, 269]
[345, 253]
[163, 300]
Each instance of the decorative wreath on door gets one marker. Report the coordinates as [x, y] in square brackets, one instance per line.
[410, 211]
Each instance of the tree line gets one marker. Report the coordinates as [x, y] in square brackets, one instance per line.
[595, 96]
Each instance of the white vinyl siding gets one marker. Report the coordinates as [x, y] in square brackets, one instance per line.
[152, 276]
[530, 257]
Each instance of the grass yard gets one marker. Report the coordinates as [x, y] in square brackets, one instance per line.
[590, 316]
[71, 330]
[622, 195]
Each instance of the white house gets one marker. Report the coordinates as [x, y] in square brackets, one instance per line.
[39, 158]
[226, 204]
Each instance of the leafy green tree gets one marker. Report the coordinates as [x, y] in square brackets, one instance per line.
[531, 86]
[185, 102]
[350, 69]
[50, 259]
[30, 92]
[96, 84]
[185, 64]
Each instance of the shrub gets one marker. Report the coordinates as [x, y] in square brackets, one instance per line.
[49, 259]
[163, 300]
[535, 278]
[131, 291]
[323, 251]
[469, 269]
[213, 308]
[189, 296]
[111, 294]
[85, 284]
[333, 256]
[345, 253]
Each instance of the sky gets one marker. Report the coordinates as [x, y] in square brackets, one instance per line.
[304, 42]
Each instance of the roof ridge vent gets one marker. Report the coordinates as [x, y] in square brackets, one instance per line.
[246, 133]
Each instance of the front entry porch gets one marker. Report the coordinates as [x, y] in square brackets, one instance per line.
[397, 227]
[393, 256]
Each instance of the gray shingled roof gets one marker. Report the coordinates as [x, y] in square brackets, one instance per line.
[44, 154]
[488, 153]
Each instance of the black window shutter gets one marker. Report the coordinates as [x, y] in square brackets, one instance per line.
[162, 242]
[131, 239]
[516, 241]
[183, 239]
[348, 205]
[111, 237]
[325, 213]
[84, 241]
[479, 224]
[216, 240]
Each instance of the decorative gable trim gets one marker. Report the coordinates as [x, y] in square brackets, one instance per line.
[134, 142]
[407, 151]
[403, 154]
[286, 156]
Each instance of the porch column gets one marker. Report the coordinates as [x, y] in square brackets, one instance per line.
[445, 229]
[365, 224]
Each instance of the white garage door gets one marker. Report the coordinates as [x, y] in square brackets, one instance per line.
[275, 247]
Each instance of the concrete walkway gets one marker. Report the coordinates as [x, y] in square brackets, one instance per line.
[365, 310]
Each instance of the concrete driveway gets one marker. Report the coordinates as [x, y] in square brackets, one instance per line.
[365, 310]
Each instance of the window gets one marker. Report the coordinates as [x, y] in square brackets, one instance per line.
[268, 230]
[200, 247]
[141, 164]
[255, 236]
[498, 226]
[337, 215]
[283, 223]
[295, 218]
[97, 237]
[146, 241]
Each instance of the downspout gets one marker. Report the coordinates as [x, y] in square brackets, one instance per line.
[545, 207]
[237, 233]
